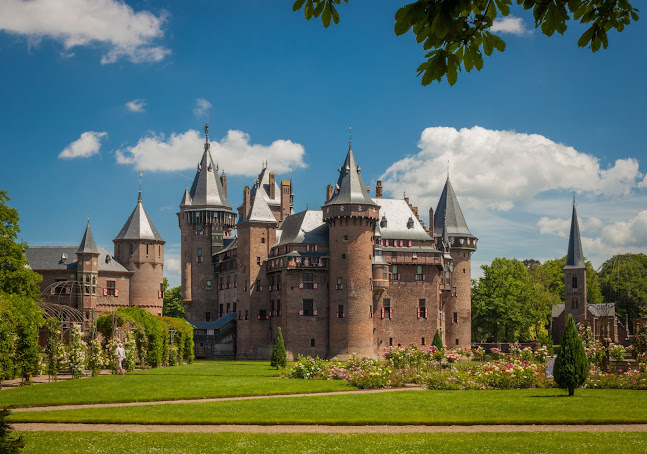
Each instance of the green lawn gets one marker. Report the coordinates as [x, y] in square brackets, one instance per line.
[526, 406]
[195, 381]
[83, 442]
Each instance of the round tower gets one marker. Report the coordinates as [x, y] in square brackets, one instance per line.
[87, 272]
[351, 215]
[140, 248]
[454, 237]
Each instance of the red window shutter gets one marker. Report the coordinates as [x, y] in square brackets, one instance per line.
[419, 312]
[382, 312]
[423, 277]
[300, 311]
[315, 286]
[116, 292]
[105, 291]
[314, 312]
[258, 317]
[316, 248]
[307, 248]
[343, 315]
[410, 243]
[159, 294]
[300, 284]
[426, 312]
[390, 312]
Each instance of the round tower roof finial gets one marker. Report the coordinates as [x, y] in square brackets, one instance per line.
[349, 138]
[139, 197]
[206, 137]
[574, 201]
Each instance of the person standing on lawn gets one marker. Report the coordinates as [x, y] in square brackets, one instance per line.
[120, 355]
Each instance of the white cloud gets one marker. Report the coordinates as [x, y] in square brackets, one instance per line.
[510, 24]
[643, 184]
[201, 107]
[562, 227]
[497, 169]
[85, 146]
[234, 153]
[112, 23]
[136, 105]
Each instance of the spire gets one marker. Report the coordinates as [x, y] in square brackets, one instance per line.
[349, 139]
[139, 197]
[88, 246]
[207, 145]
[575, 257]
[186, 199]
[448, 215]
[139, 225]
[350, 187]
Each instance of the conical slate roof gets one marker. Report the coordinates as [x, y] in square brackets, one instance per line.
[139, 225]
[575, 257]
[448, 212]
[350, 187]
[186, 198]
[88, 246]
[206, 190]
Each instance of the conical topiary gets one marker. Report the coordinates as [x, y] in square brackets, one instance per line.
[279, 357]
[572, 365]
[438, 342]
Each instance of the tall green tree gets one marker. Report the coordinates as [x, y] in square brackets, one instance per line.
[173, 306]
[553, 271]
[502, 302]
[279, 356]
[456, 33]
[15, 276]
[571, 366]
[623, 279]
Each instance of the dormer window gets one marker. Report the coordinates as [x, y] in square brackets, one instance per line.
[108, 259]
[383, 222]
[410, 223]
[63, 257]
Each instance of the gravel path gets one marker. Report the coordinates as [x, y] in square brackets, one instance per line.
[214, 399]
[63, 427]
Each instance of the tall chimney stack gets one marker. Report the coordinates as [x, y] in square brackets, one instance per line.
[431, 222]
[223, 182]
[328, 193]
[272, 185]
[378, 189]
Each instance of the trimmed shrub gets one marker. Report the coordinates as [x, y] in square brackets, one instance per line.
[10, 442]
[54, 349]
[438, 342]
[571, 366]
[183, 339]
[96, 358]
[131, 353]
[279, 356]
[76, 353]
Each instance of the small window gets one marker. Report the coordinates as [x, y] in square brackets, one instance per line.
[386, 302]
[394, 272]
[390, 342]
[258, 261]
[312, 342]
[345, 237]
[308, 280]
[422, 302]
[209, 285]
[262, 240]
[111, 287]
[457, 342]
[207, 316]
[463, 270]
[246, 314]
[147, 250]
[228, 307]
[262, 314]
[343, 256]
[574, 282]
[423, 341]
[455, 319]
[454, 291]
[308, 308]
[199, 253]
[340, 311]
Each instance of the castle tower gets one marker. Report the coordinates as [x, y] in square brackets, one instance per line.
[87, 273]
[351, 215]
[205, 218]
[140, 248]
[449, 224]
[575, 273]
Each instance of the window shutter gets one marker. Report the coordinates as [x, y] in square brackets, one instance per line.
[390, 312]
[426, 312]
[314, 313]
[117, 292]
[300, 284]
[382, 312]
[300, 311]
[315, 286]
[105, 292]
[410, 243]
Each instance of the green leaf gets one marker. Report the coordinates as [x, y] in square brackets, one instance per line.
[320, 5]
[335, 14]
[308, 10]
[586, 37]
[488, 44]
[326, 16]
[298, 5]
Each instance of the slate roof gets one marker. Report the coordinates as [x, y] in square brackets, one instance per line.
[206, 190]
[42, 258]
[139, 225]
[597, 310]
[448, 205]
[575, 257]
[397, 214]
[88, 245]
[260, 200]
[304, 227]
[216, 324]
[350, 187]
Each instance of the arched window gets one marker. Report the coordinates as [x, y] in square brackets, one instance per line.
[574, 282]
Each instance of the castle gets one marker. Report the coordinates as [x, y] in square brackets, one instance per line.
[90, 281]
[355, 277]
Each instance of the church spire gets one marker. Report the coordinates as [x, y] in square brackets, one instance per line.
[575, 257]
[88, 246]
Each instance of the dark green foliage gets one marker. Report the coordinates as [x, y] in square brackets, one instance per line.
[571, 366]
[623, 279]
[54, 348]
[455, 34]
[173, 306]
[183, 338]
[553, 271]
[279, 356]
[150, 334]
[10, 442]
[437, 342]
[15, 278]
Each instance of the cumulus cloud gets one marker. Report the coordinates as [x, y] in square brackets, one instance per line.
[510, 24]
[85, 146]
[562, 227]
[111, 23]
[234, 153]
[496, 169]
[201, 107]
[136, 105]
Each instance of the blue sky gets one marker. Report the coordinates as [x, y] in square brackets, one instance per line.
[93, 92]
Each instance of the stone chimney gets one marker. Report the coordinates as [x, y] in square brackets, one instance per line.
[223, 182]
[378, 189]
[286, 199]
[431, 222]
[272, 185]
[328, 193]
[244, 208]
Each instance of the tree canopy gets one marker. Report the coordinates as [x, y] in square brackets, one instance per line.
[456, 33]
[623, 279]
[173, 306]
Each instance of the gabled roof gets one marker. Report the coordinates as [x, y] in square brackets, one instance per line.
[206, 190]
[398, 215]
[88, 245]
[43, 258]
[260, 200]
[264, 181]
[575, 257]
[350, 187]
[305, 227]
[448, 212]
[139, 225]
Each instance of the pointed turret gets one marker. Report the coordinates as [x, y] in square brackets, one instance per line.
[139, 225]
[186, 198]
[449, 212]
[350, 187]
[88, 246]
[575, 257]
[206, 190]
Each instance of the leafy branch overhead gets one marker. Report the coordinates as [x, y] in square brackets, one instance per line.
[456, 33]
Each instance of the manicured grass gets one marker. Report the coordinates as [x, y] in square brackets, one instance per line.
[196, 381]
[525, 406]
[84, 442]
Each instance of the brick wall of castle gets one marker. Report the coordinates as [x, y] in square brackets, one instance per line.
[458, 305]
[146, 261]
